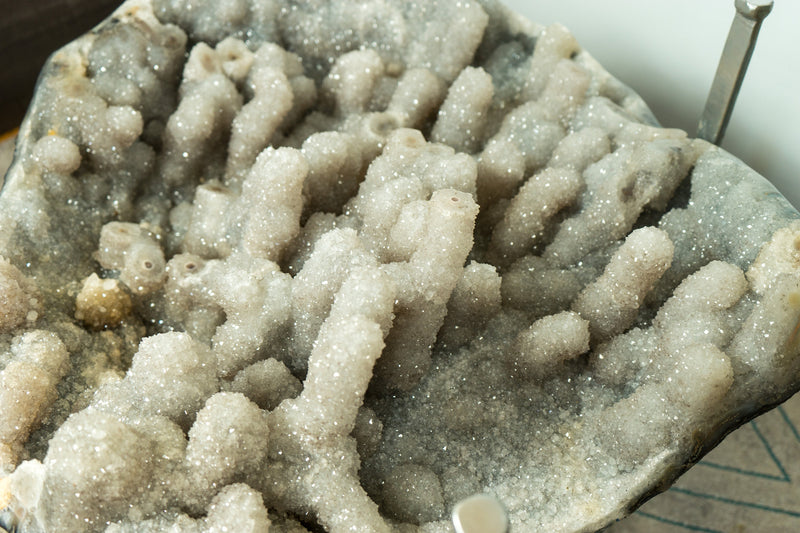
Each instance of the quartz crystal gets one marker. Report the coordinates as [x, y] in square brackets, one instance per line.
[282, 265]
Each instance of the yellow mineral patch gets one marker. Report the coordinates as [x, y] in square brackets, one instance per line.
[5, 492]
[102, 303]
[9, 135]
[794, 300]
[794, 303]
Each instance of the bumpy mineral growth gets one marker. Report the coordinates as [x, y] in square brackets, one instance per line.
[275, 265]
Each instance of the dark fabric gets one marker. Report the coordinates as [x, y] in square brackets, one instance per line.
[29, 32]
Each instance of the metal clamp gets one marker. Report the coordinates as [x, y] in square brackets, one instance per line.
[732, 67]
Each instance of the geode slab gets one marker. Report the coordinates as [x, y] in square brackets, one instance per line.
[336, 266]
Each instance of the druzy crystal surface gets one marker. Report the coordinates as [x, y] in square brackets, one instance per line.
[280, 265]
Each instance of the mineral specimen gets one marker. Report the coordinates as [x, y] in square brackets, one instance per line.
[330, 265]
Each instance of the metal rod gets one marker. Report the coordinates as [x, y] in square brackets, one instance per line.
[732, 67]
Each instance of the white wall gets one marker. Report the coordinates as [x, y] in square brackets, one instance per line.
[668, 50]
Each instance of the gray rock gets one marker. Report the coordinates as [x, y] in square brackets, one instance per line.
[564, 309]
